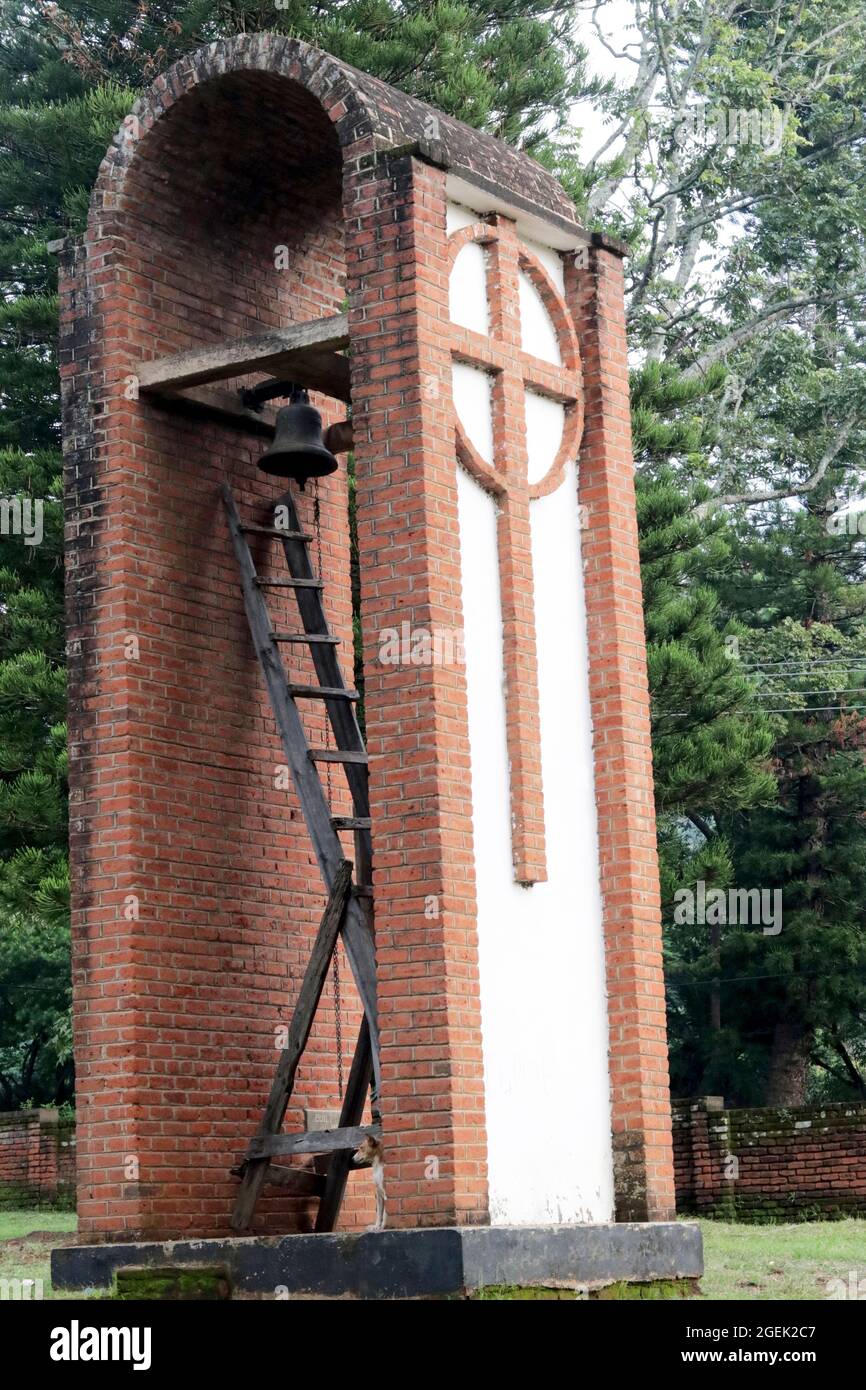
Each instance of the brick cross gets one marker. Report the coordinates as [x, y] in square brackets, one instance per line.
[500, 354]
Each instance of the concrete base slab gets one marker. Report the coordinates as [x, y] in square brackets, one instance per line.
[427, 1263]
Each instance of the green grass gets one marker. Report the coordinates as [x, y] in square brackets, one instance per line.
[26, 1241]
[742, 1262]
[770, 1262]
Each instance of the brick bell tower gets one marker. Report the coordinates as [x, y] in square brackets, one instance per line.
[268, 214]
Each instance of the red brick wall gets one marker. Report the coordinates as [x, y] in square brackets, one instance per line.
[619, 694]
[174, 753]
[37, 1160]
[798, 1164]
[427, 953]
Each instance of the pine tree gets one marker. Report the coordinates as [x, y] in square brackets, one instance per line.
[34, 935]
[804, 1004]
[711, 751]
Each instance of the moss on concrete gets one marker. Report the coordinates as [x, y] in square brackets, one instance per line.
[655, 1289]
[174, 1284]
[496, 1292]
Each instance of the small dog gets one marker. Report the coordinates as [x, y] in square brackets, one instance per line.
[371, 1153]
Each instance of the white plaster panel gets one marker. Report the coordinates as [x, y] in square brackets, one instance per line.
[467, 289]
[550, 259]
[470, 389]
[541, 949]
[545, 421]
[536, 326]
[457, 216]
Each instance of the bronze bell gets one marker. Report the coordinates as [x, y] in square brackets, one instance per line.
[298, 451]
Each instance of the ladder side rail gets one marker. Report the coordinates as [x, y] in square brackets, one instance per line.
[341, 713]
[329, 852]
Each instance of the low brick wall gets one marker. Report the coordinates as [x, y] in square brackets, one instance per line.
[37, 1160]
[804, 1164]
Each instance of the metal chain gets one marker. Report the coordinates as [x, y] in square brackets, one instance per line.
[338, 1003]
[338, 1010]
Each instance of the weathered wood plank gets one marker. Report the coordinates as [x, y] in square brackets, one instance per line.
[237, 356]
[303, 352]
[251, 529]
[321, 692]
[280, 583]
[299, 1031]
[338, 755]
[314, 1141]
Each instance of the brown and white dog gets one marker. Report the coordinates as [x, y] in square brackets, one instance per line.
[371, 1153]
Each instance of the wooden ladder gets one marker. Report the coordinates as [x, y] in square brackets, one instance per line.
[349, 909]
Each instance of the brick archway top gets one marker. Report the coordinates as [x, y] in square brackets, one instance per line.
[369, 117]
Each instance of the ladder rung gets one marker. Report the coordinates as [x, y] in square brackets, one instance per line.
[290, 583]
[351, 822]
[321, 1141]
[275, 531]
[337, 755]
[322, 692]
[305, 637]
[361, 890]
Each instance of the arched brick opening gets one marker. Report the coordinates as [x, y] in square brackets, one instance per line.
[242, 165]
[196, 894]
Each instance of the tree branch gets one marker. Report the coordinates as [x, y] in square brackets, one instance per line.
[770, 314]
[751, 499]
[700, 824]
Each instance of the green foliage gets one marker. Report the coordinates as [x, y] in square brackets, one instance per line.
[35, 1052]
[707, 758]
[35, 997]
[810, 640]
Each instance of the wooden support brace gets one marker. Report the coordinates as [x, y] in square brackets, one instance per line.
[310, 993]
[315, 1141]
[306, 353]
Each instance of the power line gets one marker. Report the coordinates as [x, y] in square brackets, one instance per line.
[748, 979]
[806, 709]
[803, 663]
[774, 694]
